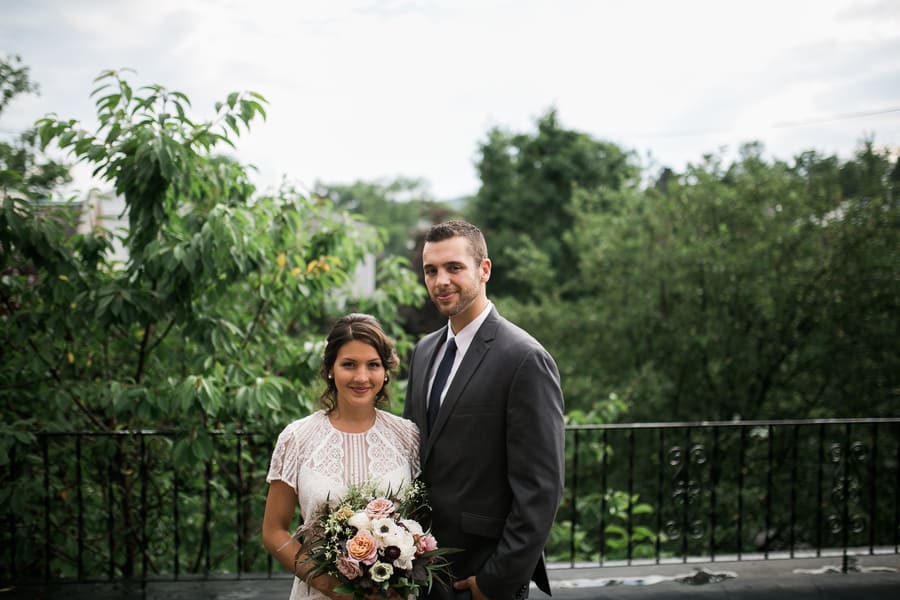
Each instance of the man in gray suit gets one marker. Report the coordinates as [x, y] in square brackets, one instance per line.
[487, 400]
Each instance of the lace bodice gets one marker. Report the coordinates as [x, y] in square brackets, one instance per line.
[319, 462]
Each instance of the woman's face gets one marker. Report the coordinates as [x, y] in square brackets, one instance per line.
[358, 374]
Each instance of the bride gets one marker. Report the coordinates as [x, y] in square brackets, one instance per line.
[348, 442]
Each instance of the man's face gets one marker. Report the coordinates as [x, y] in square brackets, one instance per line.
[454, 279]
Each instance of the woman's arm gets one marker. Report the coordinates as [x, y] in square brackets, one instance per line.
[277, 538]
[280, 542]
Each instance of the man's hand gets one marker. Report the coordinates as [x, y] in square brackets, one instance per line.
[470, 584]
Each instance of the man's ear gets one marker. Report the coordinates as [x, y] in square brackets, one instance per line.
[485, 270]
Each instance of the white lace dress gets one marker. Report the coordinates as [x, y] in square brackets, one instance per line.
[319, 462]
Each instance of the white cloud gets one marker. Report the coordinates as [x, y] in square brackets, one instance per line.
[373, 88]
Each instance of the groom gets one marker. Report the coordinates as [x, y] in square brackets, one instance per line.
[487, 400]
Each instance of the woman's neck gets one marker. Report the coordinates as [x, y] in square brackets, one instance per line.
[352, 421]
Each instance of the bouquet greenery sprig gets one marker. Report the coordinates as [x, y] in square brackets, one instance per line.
[374, 543]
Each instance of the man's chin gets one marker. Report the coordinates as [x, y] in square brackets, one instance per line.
[447, 312]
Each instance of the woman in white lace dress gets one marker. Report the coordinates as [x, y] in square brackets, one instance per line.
[348, 442]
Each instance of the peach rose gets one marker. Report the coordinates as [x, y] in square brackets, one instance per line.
[379, 508]
[363, 547]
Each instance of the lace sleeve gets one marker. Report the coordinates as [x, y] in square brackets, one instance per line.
[406, 435]
[285, 464]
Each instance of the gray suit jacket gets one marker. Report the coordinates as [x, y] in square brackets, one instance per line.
[495, 460]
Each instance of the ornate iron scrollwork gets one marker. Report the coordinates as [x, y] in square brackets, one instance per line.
[686, 488]
[846, 487]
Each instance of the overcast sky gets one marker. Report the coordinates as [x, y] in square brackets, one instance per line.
[368, 89]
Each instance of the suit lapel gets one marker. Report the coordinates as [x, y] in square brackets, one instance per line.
[429, 349]
[464, 374]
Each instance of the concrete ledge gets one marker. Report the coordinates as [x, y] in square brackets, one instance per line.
[788, 578]
[773, 579]
[854, 586]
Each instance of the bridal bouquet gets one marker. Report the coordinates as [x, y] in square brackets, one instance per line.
[374, 544]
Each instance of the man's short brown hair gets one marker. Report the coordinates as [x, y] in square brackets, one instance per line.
[451, 229]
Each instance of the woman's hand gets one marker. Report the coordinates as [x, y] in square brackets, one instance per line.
[326, 585]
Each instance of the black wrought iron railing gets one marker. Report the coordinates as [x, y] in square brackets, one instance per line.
[140, 506]
[751, 490]
[91, 506]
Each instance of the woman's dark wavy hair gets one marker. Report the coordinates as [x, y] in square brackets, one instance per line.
[363, 328]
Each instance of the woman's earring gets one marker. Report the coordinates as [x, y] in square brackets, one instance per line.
[330, 376]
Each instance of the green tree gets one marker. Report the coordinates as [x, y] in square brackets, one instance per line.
[214, 322]
[221, 294]
[397, 207]
[402, 210]
[750, 290]
[523, 204]
[22, 170]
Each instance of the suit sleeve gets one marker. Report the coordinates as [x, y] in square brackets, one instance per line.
[535, 439]
[408, 402]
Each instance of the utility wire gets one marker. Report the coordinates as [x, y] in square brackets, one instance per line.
[843, 117]
[780, 125]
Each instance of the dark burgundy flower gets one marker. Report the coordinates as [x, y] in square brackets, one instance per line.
[391, 553]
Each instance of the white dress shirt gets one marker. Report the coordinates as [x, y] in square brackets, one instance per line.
[464, 339]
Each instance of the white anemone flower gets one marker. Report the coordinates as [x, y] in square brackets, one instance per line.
[384, 528]
[381, 572]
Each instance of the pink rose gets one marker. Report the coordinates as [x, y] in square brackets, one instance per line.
[348, 567]
[380, 508]
[362, 547]
[426, 543]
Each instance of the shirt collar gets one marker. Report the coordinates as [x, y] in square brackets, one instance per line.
[465, 335]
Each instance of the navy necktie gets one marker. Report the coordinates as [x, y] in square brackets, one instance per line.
[440, 380]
